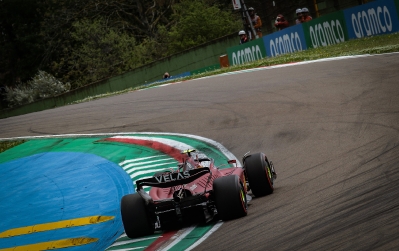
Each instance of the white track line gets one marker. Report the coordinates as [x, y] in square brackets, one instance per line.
[203, 238]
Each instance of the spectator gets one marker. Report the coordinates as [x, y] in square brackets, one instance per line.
[166, 75]
[243, 37]
[298, 19]
[256, 23]
[305, 15]
[281, 22]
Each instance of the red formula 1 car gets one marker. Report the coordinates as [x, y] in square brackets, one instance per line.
[197, 191]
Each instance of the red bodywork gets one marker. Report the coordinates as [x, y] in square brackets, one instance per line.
[199, 185]
[197, 191]
[186, 194]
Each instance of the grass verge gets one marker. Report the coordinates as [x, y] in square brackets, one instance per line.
[5, 145]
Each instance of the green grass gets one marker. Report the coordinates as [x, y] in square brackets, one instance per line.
[370, 45]
[5, 145]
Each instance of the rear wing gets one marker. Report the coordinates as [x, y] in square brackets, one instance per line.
[173, 179]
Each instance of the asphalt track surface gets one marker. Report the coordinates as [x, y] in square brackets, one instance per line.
[331, 129]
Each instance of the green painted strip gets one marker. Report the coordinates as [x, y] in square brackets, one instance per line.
[113, 151]
[126, 243]
[192, 237]
[204, 147]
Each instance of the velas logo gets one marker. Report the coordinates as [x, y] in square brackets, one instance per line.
[172, 177]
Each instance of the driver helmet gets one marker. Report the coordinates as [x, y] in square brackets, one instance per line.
[241, 32]
[200, 156]
[305, 10]
[298, 11]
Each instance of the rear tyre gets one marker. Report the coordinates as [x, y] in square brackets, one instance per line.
[259, 174]
[230, 199]
[135, 216]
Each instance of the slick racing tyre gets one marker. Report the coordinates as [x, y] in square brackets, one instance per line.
[135, 217]
[230, 197]
[259, 174]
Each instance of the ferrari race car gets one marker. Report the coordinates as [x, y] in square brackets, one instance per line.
[196, 192]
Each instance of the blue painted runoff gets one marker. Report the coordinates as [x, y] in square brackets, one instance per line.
[56, 186]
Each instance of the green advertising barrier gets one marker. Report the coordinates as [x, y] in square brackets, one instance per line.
[326, 30]
[248, 52]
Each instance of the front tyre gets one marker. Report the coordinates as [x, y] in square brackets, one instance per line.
[135, 216]
[230, 199]
[259, 174]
